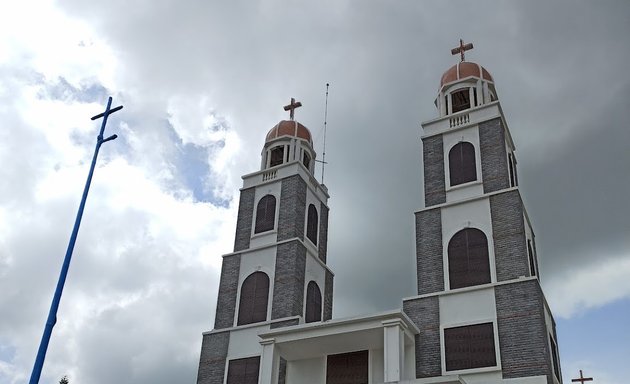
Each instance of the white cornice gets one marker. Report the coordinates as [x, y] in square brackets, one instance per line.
[279, 172]
[474, 116]
[469, 199]
[275, 244]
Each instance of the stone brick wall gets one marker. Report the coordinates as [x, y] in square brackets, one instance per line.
[288, 287]
[429, 264]
[508, 232]
[292, 208]
[228, 287]
[328, 296]
[522, 330]
[433, 159]
[425, 313]
[214, 349]
[494, 168]
[244, 219]
[323, 232]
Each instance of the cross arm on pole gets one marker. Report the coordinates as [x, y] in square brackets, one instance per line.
[118, 108]
[105, 115]
[581, 379]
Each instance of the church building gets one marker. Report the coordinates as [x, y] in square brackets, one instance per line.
[479, 315]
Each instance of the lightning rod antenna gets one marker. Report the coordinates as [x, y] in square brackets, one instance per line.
[325, 125]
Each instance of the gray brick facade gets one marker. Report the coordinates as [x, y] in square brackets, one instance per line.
[323, 232]
[244, 219]
[214, 348]
[523, 335]
[433, 159]
[429, 264]
[508, 232]
[288, 287]
[292, 208]
[228, 287]
[494, 167]
[425, 313]
[328, 296]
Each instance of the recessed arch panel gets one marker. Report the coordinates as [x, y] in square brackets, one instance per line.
[462, 165]
[468, 259]
[313, 303]
[252, 306]
[265, 214]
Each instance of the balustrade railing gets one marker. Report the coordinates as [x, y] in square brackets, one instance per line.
[459, 120]
[269, 175]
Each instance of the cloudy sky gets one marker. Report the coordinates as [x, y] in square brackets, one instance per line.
[203, 81]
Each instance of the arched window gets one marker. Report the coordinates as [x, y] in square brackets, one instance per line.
[277, 156]
[265, 214]
[530, 254]
[311, 224]
[468, 260]
[306, 160]
[313, 303]
[252, 307]
[461, 163]
[461, 100]
[511, 168]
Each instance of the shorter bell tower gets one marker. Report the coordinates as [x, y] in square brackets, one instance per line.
[277, 275]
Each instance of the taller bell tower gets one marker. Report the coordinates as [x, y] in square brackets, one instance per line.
[277, 275]
[480, 309]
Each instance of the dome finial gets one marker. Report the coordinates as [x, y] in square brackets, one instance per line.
[291, 107]
[461, 49]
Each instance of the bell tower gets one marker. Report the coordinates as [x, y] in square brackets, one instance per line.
[277, 275]
[479, 305]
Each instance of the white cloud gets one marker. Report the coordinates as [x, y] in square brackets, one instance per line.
[38, 35]
[589, 287]
[143, 267]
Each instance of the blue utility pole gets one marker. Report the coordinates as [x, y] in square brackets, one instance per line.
[52, 315]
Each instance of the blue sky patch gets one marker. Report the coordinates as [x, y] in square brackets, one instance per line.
[63, 90]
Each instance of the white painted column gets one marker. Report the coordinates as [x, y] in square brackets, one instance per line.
[471, 96]
[450, 104]
[269, 363]
[441, 104]
[292, 150]
[479, 92]
[486, 93]
[393, 350]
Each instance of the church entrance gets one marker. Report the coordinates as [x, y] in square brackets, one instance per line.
[347, 368]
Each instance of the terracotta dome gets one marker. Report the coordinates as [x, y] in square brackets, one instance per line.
[289, 128]
[463, 70]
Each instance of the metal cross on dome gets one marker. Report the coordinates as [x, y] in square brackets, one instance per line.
[582, 379]
[462, 48]
[291, 107]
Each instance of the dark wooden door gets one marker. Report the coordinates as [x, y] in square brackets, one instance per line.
[347, 368]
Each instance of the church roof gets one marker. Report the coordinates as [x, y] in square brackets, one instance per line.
[462, 70]
[289, 128]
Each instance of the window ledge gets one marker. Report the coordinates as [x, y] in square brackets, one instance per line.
[472, 370]
[464, 185]
[261, 234]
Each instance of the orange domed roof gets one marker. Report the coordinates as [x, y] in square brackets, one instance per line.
[289, 128]
[463, 70]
